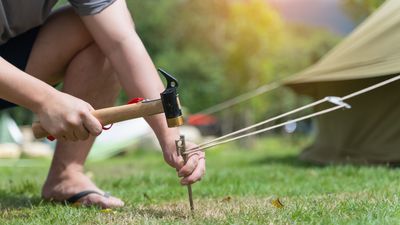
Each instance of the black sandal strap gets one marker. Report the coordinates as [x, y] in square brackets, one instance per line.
[75, 198]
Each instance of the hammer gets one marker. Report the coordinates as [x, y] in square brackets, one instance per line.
[168, 104]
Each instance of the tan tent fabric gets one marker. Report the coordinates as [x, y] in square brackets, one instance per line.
[367, 133]
[373, 49]
[370, 131]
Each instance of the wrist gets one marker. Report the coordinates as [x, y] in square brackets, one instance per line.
[167, 137]
[39, 101]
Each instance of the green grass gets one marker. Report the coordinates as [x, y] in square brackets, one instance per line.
[237, 189]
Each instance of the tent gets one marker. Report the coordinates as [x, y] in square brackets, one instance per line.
[9, 131]
[122, 135]
[370, 131]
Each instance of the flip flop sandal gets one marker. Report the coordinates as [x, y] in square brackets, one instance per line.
[74, 199]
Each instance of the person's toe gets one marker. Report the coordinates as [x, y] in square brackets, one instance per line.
[102, 201]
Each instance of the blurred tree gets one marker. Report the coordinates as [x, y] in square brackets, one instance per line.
[220, 49]
[253, 37]
[184, 37]
[252, 40]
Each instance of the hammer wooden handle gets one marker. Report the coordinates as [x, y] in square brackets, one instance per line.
[126, 112]
[114, 114]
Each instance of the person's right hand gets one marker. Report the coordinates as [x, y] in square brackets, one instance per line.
[68, 118]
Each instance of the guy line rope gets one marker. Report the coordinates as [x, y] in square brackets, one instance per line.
[241, 98]
[337, 101]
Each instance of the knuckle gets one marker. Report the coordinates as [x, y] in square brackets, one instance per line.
[97, 127]
[194, 156]
[97, 132]
[86, 114]
[60, 131]
[94, 130]
[55, 132]
[195, 163]
[185, 171]
[73, 122]
[89, 107]
[82, 113]
[191, 180]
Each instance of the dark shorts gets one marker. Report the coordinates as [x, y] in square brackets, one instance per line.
[16, 51]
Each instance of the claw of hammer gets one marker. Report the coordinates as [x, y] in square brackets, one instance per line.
[170, 100]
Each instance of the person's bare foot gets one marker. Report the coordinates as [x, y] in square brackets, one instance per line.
[62, 187]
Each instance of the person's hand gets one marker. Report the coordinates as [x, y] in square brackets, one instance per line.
[195, 167]
[68, 118]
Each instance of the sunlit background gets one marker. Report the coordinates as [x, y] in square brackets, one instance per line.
[220, 49]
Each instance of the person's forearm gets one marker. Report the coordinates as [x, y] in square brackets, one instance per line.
[113, 31]
[22, 89]
[139, 78]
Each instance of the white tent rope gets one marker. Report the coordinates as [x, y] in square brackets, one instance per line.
[266, 121]
[373, 87]
[266, 129]
[215, 142]
[241, 98]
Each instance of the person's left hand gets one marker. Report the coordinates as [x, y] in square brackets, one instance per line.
[191, 171]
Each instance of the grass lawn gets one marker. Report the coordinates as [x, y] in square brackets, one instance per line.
[237, 189]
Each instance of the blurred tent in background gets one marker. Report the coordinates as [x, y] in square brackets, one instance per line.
[9, 131]
[18, 141]
[10, 137]
[122, 135]
[370, 131]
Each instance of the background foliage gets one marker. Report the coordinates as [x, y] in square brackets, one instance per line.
[219, 49]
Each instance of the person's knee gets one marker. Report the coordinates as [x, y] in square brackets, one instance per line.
[59, 40]
[91, 77]
[105, 75]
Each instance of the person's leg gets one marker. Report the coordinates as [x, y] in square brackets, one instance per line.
[64, 49]
[89, 77]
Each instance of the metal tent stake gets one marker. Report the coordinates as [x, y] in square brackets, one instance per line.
[180, 150]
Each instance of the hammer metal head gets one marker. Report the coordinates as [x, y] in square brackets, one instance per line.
[170, 101]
